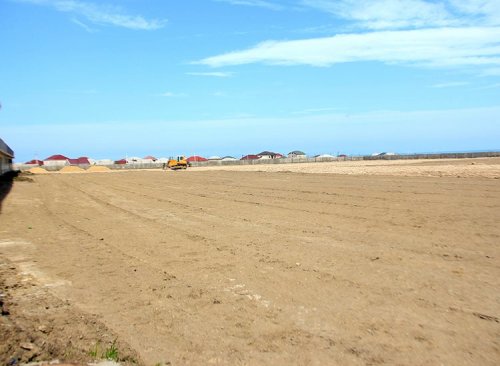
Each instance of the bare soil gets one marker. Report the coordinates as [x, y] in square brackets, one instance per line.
[263, 268]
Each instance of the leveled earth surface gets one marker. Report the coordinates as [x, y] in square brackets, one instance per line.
[266, 268]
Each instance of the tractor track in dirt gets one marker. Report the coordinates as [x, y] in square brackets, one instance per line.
[271, 268]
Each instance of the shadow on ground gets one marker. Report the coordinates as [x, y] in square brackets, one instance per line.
[6, 183]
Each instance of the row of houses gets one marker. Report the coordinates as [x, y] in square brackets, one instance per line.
[61, 160]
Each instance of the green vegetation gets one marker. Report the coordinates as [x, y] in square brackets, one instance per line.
[110, 353]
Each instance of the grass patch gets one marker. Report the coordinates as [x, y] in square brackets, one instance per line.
[110, 353]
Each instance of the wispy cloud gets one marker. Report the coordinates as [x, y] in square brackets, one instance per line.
[218, 93]
[217, 74]
[438, 47]
[310, 111]
[100, 14]
[491, 86]
[257, 3]
[451, 84]
[172, 95]
[83, 25]
[401, 14]
[493, 71]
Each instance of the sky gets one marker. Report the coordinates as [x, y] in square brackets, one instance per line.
[118, 78]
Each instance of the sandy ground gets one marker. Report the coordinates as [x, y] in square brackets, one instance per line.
[482, 167]
[272, 268]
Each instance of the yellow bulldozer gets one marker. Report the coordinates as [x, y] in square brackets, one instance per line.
[178, 163]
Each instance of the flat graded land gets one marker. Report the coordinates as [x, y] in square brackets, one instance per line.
[271, 268]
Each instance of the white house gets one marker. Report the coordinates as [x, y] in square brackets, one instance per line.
[56, 161]
[269, 155]
[101, 162]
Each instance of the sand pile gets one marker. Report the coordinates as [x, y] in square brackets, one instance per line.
[37, 170]
[98, 168]
[72, 169]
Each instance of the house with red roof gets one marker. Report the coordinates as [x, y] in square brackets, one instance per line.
[34, 162]
[195, 158]
[250, 157]
[56, 160]
[83, 160]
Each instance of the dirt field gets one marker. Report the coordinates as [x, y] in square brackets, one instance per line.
[269, 268]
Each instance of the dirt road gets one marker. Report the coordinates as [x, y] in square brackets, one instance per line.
[256, 268]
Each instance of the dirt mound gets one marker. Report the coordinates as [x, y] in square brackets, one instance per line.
[72, 169]
[98, 168]
[37, 170]
[35, 331]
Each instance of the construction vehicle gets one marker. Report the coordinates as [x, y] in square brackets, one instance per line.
[177, 163]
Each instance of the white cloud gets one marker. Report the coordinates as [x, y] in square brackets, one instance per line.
[101, 14]
[491, 86]
[451, 84]
[218, 74]
[386, 14]
[83, 25]
[311, 111]
[172, 95]
[493, 71]
[256, 3]
[439, 47]
[403, 14]
[219, 94]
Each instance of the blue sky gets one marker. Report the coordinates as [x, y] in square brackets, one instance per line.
[112, 78]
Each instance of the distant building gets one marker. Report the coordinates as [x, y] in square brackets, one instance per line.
[34, 162]
[384, 154]
[269, 155]
[195, 158]
[297, 154]
[56, 160]
[149, 159]
[83, 160]
[250, 157]
[101, 162]
[6, 156]
[215, 157]
[229, 158]
[137, 160]
[324, 156]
